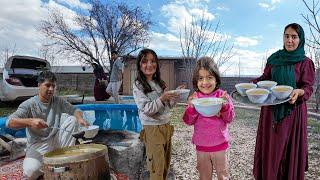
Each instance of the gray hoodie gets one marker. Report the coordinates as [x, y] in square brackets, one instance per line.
[50, 113]
[151, 110]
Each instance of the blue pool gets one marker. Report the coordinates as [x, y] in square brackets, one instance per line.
[126, 97]
[107, 116]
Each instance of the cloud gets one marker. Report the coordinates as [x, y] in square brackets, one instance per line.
[244, 63]
[165, 42]
[68, 14]
[269, 6]
[264, 5]
[198, 13]
[177, 15]
[168, 44]
[191, 2]
[222, 8]
[180, 13]
[19, 21]
[248, 62]
[75, 4]
[245, 41]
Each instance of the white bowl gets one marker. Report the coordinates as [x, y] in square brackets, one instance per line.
[183, 94]
[282, 92]
[258, 95]
[242, 87]
[208, 106]
[266, 84]
[91, 131]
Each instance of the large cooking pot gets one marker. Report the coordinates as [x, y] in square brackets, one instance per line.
[85, 161]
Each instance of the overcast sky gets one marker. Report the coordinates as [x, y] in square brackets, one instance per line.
[254, 26]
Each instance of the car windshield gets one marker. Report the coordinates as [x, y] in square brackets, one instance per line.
[28, 64]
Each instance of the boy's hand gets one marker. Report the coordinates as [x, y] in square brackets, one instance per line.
[83, 122]
[37, 123]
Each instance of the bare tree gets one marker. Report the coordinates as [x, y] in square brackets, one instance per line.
[264, 61]
[122, 29]
[48, 54]
[105, 27]
[7, 51]
[314, 54]
[311, 19]
[201, 38]
[239, 68]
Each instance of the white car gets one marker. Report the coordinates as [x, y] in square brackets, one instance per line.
[19, 79]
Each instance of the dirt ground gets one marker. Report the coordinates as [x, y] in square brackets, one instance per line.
[243, 133]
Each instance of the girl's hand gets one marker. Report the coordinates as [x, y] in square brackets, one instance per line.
[181, 86]
[192, 96]
[168, 96]
[295, 94]
[225, 97]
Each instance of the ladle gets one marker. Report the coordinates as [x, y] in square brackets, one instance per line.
[75, 135]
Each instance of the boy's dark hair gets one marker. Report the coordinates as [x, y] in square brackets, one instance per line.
[141, 78]
[208, 64]
[114, 52]
[46, 75]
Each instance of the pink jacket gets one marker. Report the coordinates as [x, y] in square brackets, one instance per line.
[210, 131]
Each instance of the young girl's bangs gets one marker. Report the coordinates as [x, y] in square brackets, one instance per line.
[143, 59]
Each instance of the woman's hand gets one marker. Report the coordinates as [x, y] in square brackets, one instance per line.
[295, 94]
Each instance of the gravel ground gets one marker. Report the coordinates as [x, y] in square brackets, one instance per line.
[243, 133]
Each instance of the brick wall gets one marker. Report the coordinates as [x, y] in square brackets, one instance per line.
[85, 82]
[77, 82]
[227, 83]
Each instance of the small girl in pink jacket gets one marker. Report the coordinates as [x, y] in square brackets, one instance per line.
[211, 135]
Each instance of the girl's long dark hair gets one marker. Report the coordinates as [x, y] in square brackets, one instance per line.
[141, 78]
